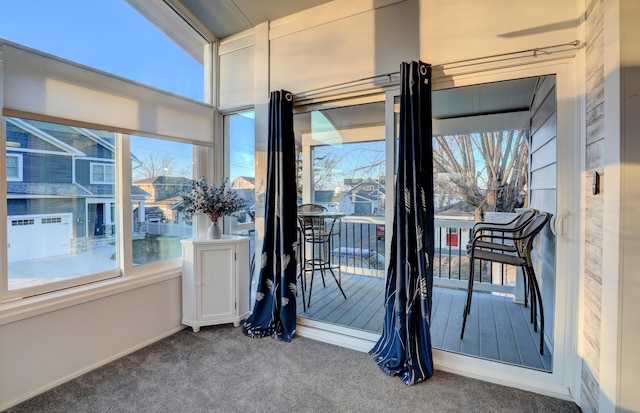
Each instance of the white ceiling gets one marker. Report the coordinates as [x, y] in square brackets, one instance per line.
[226, 17]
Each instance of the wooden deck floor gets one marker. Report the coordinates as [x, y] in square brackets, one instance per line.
[497, 328]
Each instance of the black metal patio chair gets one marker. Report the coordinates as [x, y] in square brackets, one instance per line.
[522, 239]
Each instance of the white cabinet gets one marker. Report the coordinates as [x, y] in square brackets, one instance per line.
[215, 281]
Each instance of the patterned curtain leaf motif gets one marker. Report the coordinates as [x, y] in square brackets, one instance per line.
[274, 312]
[404, 348]
[407, 200]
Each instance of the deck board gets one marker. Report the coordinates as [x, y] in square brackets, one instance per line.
[497, 328]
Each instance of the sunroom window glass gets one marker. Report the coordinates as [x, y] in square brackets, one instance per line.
[240, 138]
[161, 173]
[111, 36]
[59, 224]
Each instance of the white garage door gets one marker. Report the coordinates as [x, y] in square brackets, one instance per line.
[38, 236]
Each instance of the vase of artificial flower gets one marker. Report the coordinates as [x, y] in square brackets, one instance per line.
[213, 201]
[214, 231]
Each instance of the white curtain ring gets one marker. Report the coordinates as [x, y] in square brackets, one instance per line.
[288, 97]
[423, 70]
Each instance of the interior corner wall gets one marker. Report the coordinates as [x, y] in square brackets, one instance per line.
[43, 351]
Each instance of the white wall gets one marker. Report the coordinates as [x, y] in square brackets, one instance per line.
[458, 30]
[335, 47]
[620, 332]
[43, 350]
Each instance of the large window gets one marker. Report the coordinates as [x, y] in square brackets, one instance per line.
[75, 209]
[161, 173]
[63, 225]
[240, 160]
[110, 35]
[240, 140]
[60, 223]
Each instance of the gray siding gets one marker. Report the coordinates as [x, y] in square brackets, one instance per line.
[543, 188]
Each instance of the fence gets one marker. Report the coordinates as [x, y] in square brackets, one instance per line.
[175, 230]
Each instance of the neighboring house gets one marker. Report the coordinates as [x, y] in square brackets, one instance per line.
[245, 187]
[166, 192]
[333, 201]
[244, 182]
[68, 208]
[367, 196]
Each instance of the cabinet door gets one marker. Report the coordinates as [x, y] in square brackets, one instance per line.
[217, 289]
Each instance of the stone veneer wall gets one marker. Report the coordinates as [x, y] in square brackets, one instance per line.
[594, 205]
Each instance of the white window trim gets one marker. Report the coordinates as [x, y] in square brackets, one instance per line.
[103, 181]
[20, 176]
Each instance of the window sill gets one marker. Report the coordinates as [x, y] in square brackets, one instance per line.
[13, 311]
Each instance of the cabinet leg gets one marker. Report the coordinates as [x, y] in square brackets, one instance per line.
[196, 329]
[236, 323]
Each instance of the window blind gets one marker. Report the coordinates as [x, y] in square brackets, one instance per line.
[48, 87]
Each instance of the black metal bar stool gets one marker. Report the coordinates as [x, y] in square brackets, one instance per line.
[315, 243]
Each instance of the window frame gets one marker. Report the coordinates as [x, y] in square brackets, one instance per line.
[176, 112]
[105, 166]
[20, 167]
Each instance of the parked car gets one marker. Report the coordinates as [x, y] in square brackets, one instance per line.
[380, 231]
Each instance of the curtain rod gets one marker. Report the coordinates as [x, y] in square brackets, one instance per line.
[390, 75]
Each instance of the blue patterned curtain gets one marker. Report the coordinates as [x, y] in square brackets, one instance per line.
[274, 312]
[404, 349]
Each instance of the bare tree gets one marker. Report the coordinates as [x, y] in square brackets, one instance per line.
[156, 164]
[489, 168]
[365, 163]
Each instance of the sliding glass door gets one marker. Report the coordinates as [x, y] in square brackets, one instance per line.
[342, 168]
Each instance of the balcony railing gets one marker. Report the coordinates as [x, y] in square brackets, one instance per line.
[360, 249]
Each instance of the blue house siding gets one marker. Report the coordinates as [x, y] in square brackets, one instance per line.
[23, 139]
[46, 168]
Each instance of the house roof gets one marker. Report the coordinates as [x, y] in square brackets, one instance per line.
[32, 127]
[33, 188]
[164, 180]
[15, 189]
[250, 179]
